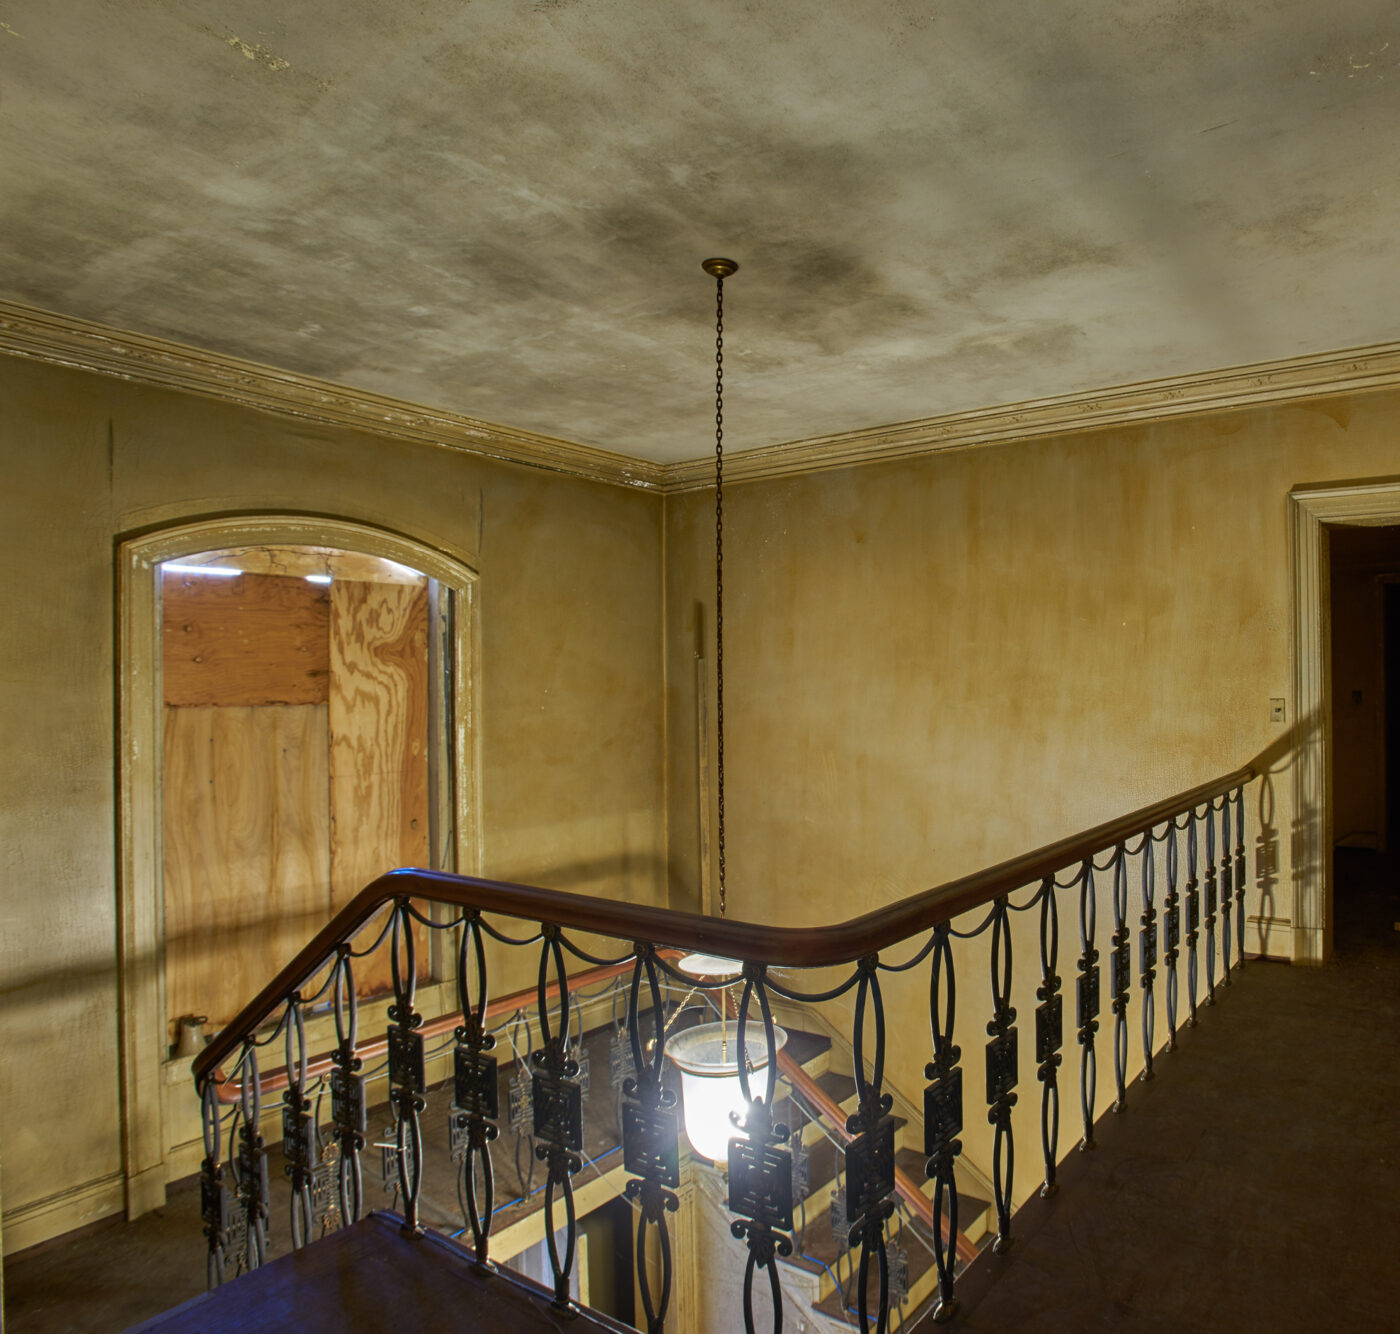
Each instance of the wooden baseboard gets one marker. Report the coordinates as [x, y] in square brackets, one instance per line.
[42, 1220]
[1268, 937]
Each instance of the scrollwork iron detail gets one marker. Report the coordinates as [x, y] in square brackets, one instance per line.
[1147, 954]
[349, 1116]
[760, 1170]
[1193, 917]
[1211, 889]
[943, 1117]
[650, 1139]
[476, 1090]
[1049, 1033]
[1171, 932]
[1002, 1073]
[557, 1106]
[1087, 998]
[870, 1173]
[1120, 976]
[406, 1064]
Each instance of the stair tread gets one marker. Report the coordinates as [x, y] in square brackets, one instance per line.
[912, 1163]
[805, 1047]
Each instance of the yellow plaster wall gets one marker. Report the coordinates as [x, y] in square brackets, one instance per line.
[935, 664]
[570, 672]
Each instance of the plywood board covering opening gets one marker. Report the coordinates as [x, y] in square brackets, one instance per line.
[295, 768]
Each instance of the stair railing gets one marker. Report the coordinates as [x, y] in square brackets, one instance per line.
[235, 1192]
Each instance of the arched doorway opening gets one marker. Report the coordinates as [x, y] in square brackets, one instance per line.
[329, 710]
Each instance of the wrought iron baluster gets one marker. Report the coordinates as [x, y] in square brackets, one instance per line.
[407, 1076]
[1147, 954]
[1211, 888]
[1227, 872]
[650, 1138]
[217, 1201]
[1240, 869]
[1120, 977]
[943, 1117]
[348, 1112]
[250, 1169]
[1049, 1033]
[760, 1171]
[1002, 1073]
[1087, 1001]
[299, 1146]
[1171, 926]
[1193, 916]
[475, 1088]
[557, 1105]
[870, 1155]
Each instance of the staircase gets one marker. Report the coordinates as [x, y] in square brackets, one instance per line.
[821, 1274]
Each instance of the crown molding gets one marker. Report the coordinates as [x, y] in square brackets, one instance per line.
[1265, 384]
[61, 340]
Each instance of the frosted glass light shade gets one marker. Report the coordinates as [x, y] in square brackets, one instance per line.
[710, 1087]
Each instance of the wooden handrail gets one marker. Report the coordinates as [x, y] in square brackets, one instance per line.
[777, 946]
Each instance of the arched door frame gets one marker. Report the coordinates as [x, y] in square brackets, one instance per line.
[145, 1140]
[1364, 504]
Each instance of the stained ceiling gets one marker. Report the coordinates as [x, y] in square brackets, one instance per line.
[499, 207]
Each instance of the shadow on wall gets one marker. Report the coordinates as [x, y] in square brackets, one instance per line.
[1290, 749]
[38, 986]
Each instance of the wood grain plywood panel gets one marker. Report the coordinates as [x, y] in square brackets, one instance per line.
[256, 639]
[300, 561]
[378, 709]
[246, 849]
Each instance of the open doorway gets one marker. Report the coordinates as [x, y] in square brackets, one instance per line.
[304, 740]
[1364, 691]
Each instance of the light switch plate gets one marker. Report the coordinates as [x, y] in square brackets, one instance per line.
[1277, 712]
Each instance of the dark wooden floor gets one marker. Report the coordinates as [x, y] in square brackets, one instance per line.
[1255, 1183]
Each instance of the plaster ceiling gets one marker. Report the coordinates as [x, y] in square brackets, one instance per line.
[499, 207]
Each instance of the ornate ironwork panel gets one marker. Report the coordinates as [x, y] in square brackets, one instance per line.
[476, 1083]
[943, 1111]
[760, 1183]
[1122, 963]
[325, 1209]
[558, 1112]
[651, 1143]
[406, 1059]
[1002, 1065]
[1087, 996]
[870, 1167]
[1147, 948]
[1049, 1028]
[298, 1138]
[348, 1102]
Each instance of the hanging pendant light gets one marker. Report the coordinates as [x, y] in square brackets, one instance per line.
[712, 1095]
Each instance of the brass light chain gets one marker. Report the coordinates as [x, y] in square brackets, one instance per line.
[719, 574]
[719, 270]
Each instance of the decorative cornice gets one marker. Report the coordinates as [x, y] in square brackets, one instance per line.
[1269, 382]
[27, 331]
